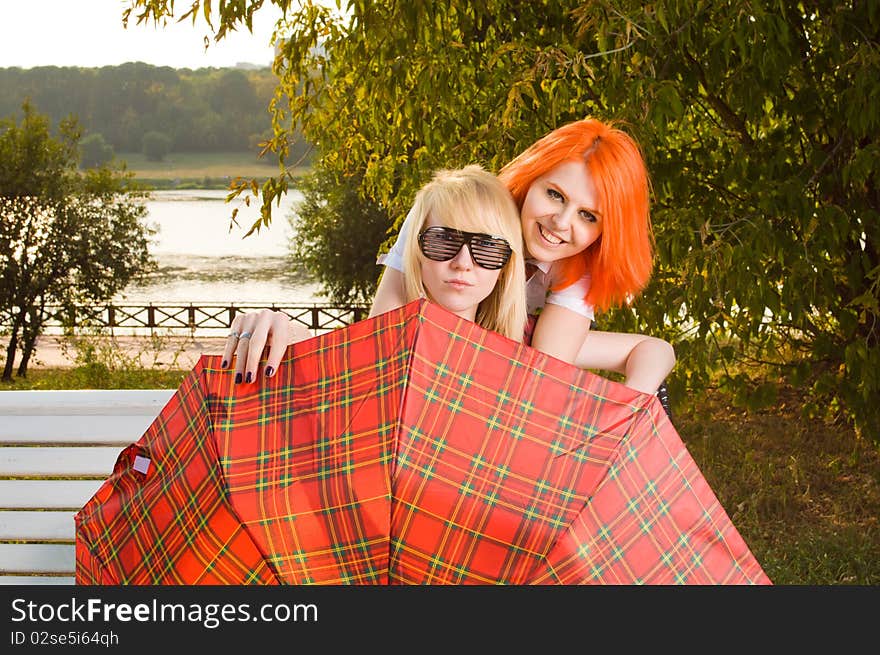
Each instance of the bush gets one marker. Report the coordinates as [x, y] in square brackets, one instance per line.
[156, 145]
[95, 151]
[337, 236]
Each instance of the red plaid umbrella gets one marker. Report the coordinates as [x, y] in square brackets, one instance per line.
[414, 447]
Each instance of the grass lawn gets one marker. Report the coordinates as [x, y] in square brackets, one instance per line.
[95, 375]
[803, 493]
[194, 165]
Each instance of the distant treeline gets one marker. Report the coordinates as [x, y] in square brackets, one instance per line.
[202, 110]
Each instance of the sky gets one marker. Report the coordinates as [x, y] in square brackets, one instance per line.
[89, 33]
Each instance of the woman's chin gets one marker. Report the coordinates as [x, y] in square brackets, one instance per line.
[457, 306]
[544, 252]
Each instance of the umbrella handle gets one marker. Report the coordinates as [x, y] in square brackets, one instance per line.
[663, 395]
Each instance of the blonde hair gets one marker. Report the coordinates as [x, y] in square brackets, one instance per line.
[473, 200]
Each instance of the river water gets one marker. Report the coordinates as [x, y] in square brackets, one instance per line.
[200, 260]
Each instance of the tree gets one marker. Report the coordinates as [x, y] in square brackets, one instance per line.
[337, 234]
[156, 145]
[95, 151]
[123, 102]
[65, 238]
[763, 143]
[759, 120]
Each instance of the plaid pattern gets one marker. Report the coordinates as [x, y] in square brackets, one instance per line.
[411, 448]
[172, 524]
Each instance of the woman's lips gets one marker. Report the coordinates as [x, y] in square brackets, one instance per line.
[549, 237]
[459, 284]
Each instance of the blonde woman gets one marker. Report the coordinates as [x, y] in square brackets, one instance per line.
[464, 252]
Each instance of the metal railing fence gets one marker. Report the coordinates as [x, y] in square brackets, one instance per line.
[202, 318]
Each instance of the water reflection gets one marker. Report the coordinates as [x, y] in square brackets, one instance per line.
[189, 278]
[200, 259]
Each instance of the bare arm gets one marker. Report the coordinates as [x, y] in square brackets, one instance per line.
[560, 332]
[644, 360]
[390, 293]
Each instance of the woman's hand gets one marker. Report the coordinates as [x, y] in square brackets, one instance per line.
[249, 336]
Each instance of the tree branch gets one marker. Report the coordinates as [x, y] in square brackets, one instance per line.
[730, 117]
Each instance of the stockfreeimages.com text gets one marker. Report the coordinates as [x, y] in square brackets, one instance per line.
[210, 615]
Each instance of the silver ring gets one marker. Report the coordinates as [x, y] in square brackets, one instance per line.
[233, 334]
[244, 335]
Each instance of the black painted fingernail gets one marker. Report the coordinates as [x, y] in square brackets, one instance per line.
[237, 378]
[269, 371]
[249, 377]
[224, 364]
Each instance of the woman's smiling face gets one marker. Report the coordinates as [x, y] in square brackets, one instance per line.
[561, 213]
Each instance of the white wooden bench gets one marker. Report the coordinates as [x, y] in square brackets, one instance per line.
[56, 448]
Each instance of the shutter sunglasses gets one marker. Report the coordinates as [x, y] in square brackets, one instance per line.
[441, 244]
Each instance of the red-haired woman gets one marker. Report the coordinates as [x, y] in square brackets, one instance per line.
[582, 191]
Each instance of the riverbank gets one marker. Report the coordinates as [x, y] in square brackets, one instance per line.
[187, 170]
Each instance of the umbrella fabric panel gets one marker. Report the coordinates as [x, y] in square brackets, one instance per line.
[413, 447]
[500, 448]
[307, 456]
[88, 569]
[168, 522]
[652, 520]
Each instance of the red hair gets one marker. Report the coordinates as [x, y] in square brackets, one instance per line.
[619, 261]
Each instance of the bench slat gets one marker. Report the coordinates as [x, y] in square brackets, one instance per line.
[61, 434]
[36, 580]
[73, 429]
[37, 526]
[48, 494]
[84, 401]
[37, 558]
[57, 461]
